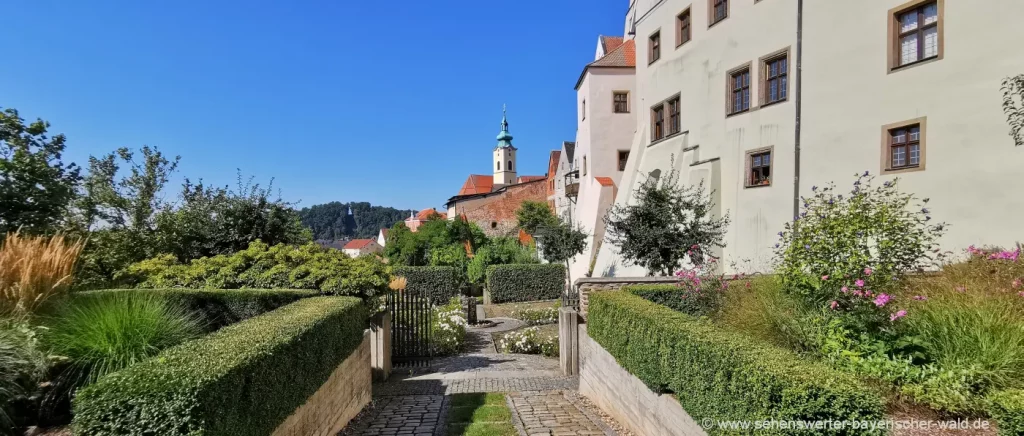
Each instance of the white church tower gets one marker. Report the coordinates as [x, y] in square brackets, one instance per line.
[504, 156]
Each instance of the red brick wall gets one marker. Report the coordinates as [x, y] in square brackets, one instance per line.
[501, 211]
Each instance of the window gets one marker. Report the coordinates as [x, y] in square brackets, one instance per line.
[584, 165]
[623, 157]
[916, 34]
[658, 122]
[510, 165]
[775, 85]
[673, 115]
[583, 109]
[718, 11]
[654, 47]
[499, 165]
[759, 164]
[903, 146]
[683, 28]
[620, 102]
[494, 224]
[739, 91]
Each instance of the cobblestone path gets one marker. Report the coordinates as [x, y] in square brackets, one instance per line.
[415, 402]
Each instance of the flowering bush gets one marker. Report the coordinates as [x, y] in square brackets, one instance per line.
[448, 329]
[848, 252]
[528, 341]
[699, 292]
[531, 316]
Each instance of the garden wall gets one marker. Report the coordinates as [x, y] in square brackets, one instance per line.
[341, 397]
[626, 398]
[588, 285]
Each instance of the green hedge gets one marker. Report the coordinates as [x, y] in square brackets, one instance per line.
[219, 307]
[675, 297]
[440, 283]
[722, 375]
[244, 379]
[1007, 408]
[525, 282]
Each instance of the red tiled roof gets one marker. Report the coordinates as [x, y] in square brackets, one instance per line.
[623, 56]
[427, 213]
[477, 184]
[605, 181]
[525, 179]
[525, 238]
[610, 43]
[357, 244]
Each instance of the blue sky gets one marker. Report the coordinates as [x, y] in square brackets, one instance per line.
[389, 102]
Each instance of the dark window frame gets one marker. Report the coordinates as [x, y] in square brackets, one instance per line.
[684, 27]
[759, 174]
[658, 122]
[674, 115]
[622, 156]
[890, 145]
[743, 90]
[620, 106]
[895, 51]
[780, 77]
[714, 6]
[654, 47]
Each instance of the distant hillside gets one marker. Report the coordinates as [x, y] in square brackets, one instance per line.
[331, 221]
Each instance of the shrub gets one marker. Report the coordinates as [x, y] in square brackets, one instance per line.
[528, 341]
[439, 283]
[104, 334]
[699, 291]
[261, 266]
[1007, 408]
[216, 307]
[720, 374]
[532, 316]
[448, 329]
[22, 366]
[499, 251]
[847, 253]
[246, 378]
[515, 283]
[32, 270]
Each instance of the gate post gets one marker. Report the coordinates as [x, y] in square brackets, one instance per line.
[380, 347]
[568, 341]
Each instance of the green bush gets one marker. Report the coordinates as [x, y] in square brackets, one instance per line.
[23, 364]
[109, 332]
[515, 283]
[501, 250]
[216, 307]
[702, 302]
[720, 374]
[244, 379]
[440, 283]
[1007, 408]
[261, 266]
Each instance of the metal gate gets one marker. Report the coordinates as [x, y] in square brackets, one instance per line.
[410, 328]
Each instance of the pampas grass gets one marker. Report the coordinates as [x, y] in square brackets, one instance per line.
[35, 269]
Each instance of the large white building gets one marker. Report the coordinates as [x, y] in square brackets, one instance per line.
[907, 89]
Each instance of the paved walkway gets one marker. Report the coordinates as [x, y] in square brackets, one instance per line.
[415, 402]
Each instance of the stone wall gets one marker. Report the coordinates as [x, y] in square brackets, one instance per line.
[585, 286]
[626, 398]
[337, 401]
[497, 216]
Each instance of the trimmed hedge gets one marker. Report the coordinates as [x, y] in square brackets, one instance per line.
[525, 282]
[723, 375]
[703, 303]
[219, 307]
[244, 379]
[440, 283]
[1007, 408]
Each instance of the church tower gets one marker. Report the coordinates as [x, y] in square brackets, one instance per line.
[504, 156]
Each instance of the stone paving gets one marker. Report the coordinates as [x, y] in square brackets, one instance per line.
[414, 402]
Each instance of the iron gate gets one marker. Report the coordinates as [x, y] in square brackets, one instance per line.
[410, 328]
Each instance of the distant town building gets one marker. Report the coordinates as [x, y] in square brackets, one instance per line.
[359, 247]
[414, 221]
[382, 237]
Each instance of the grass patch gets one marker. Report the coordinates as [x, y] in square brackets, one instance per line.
[480, 415]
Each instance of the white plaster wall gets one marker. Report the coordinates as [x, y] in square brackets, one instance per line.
[564, 166]
[972, 169]
[697, 71]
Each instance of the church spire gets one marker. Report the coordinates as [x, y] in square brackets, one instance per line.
[504, 138]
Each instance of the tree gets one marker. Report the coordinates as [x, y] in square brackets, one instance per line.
[36, 187]
[560, 242]
[331, 221]
[533, 215]
[1013, 106]
[667, 224]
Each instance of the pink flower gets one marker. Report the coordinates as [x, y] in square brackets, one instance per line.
[858, 293]
[1016, 283]
[920, 297]
[859, 283]
[961, 289]
[824, 277]
[867, 271]
[900, 314]
[844, 289]
[748, 285]
[1021, 293]
[882, 300]
[834, 305]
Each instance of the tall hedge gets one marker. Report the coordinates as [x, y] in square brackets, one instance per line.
[440, 283]
[244, 379]
[218, 307]
[723, 375]
[525, 282]
[675, 297]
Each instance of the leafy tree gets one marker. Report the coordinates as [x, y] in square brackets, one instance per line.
[560, 242]
[36, 187]
[331, 221]
[1013, 106]
[667, 224]
[533, 215]
[498, 251]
